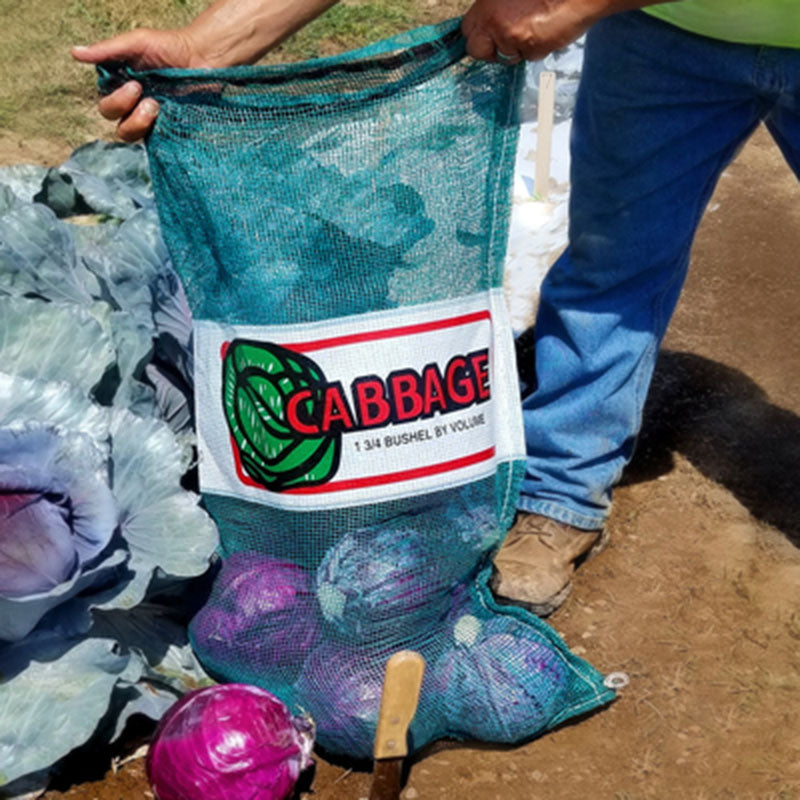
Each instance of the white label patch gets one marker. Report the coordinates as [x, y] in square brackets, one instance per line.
[358, 409]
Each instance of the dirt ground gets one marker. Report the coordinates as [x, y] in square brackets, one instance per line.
[698, 595]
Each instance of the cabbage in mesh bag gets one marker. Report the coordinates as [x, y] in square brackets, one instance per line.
[340, 227]
[262, 604]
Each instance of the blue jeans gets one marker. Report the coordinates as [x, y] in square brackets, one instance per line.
[659, 115]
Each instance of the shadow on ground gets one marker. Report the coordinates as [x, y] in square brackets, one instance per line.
[724, 424]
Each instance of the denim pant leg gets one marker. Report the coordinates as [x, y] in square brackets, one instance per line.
[780, 71]
[659, 114]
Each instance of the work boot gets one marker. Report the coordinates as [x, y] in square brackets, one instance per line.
[534, 566]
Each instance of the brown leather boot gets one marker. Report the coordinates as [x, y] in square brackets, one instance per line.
[535, 564]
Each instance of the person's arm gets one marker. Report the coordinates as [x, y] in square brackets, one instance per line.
[228, 33]
[531, 29]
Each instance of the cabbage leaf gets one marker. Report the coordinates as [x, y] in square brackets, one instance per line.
[99, 542]
[24, 180]
[38, 257]
[49, 342]
[58, 406]
[55, 704]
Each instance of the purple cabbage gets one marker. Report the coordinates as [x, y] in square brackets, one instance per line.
[37, 552]
[500, 681]
[231, 742]
[261, 619]
[57, 515]
[473, 526]
[379, 584]
[340, 687]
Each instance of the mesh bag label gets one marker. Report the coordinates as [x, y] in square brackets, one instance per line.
[366, 408]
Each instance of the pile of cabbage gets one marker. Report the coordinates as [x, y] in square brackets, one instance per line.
[318, 633]
[101, 546]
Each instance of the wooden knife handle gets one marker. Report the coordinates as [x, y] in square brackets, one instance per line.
[401, 687]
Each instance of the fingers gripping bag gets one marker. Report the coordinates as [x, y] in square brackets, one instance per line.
[340, 228]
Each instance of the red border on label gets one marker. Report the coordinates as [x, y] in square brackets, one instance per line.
[388, 333]
[387, 477]
[396, 477]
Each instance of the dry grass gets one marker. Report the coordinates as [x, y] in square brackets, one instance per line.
[44, 94]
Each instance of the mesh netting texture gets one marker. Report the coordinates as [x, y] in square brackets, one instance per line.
[340, 228]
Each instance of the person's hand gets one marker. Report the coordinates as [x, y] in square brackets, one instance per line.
[510, 31]
[228, 33]
[141, 49]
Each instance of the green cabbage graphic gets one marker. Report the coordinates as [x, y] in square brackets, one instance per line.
[257, 380]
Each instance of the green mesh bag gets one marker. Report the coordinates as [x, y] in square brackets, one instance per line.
[340, 228]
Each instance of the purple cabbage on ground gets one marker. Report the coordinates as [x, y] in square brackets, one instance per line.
[231, 742]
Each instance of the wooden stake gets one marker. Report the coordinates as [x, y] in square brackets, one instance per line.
[544, 133]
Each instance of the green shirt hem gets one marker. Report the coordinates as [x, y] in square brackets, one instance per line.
[775, 23]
